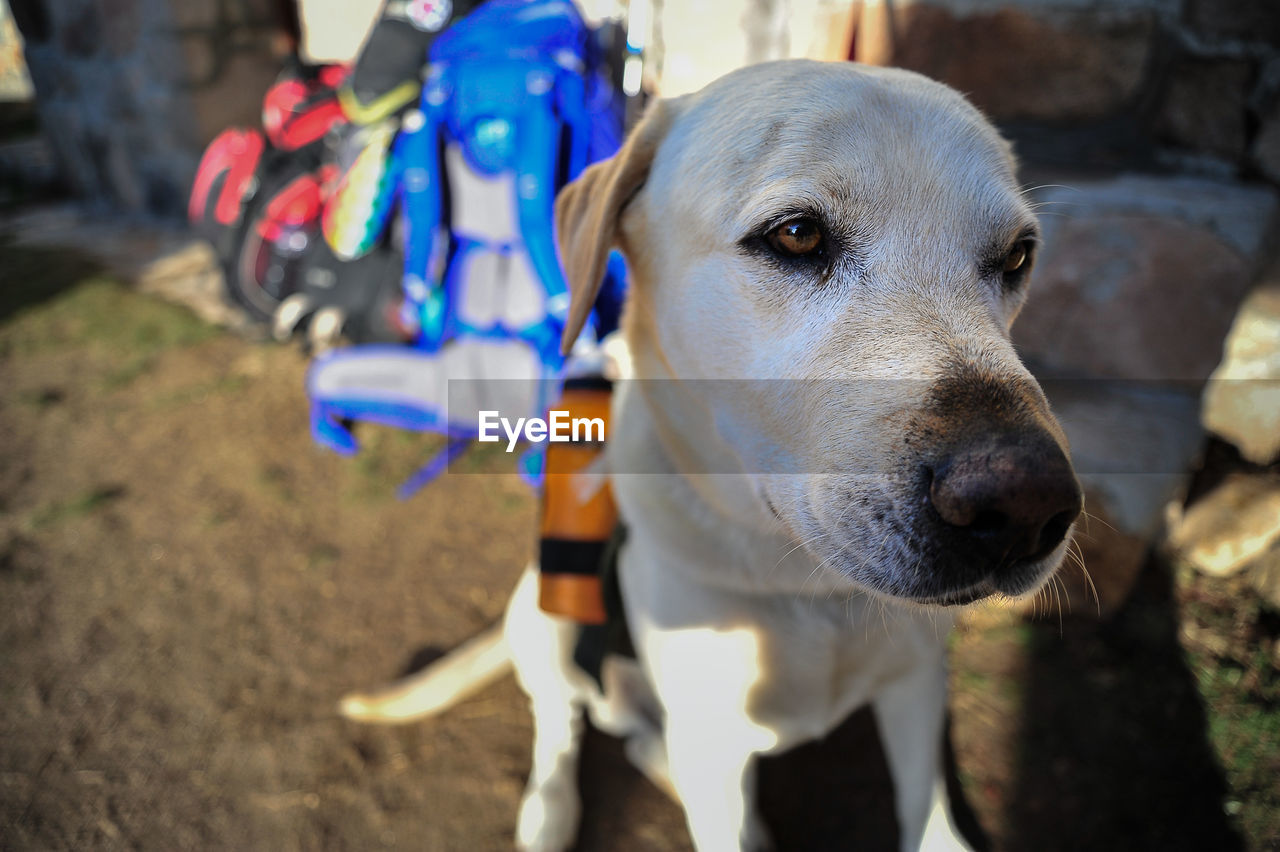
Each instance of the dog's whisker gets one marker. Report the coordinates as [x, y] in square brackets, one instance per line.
[1042, 206]
[821, 534]
[826, 561]
[817, 568]
[1089, 516]
[812, 540]
[1047, 598]
[799, 545]
[1058, 591]
[866, 622]
[813, 596]
[1075, 554]
[1093, 588]
[1038, 187]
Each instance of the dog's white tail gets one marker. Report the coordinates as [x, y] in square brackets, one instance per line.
[465, 670]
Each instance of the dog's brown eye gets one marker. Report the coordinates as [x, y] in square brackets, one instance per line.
[797, 237]
[1017, 257]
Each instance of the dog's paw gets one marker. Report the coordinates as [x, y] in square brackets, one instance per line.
[548, 820]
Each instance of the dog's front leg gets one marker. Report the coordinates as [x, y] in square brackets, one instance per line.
[713, 772]
[550, 810]
[705, 679]
[910, 714]
[542, 649]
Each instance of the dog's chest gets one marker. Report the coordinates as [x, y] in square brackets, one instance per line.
[819, 661]
[788, 667]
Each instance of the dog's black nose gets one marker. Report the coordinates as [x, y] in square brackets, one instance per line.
[1012, 497]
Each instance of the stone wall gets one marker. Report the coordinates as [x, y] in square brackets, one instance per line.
[129, 91]
[1187, 85]
[1192, 85]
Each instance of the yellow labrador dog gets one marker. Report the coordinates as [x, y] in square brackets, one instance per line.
[829, 445]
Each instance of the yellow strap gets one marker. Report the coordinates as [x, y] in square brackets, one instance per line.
[380, 108]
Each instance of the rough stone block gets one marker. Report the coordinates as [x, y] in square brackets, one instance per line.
[54, 75]
[1242, 399]
[1264, 576]
[78, 29]
[121, 171]
[1266, 146]
[200, 59]
[235, 97]
[1129, 298]
[28, 164]
[1019, 61]
[118, 97]
[1131, 444]
[190, 275]
[121, 27]
[1230, 527]
[192, 16]
[1244, 20]
[1239, 214]
[1205, 107]
[1140, 276]
[63, 127]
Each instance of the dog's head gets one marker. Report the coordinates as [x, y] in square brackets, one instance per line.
[852, 244]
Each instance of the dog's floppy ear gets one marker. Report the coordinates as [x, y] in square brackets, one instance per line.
[587, 212]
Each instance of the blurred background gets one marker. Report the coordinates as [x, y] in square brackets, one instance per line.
[188, 584]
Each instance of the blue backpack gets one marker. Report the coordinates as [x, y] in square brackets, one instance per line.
[517, 102]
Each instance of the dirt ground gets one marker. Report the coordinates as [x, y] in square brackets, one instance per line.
[188, 584]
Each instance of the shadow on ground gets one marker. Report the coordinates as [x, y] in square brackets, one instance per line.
[1114, 751]
[1111, 752]
[32, 276]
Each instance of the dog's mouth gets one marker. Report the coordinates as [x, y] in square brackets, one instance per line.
[992, 519]
[1021, 578]
[913, 566]
[962, 597]
[1025, 580]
